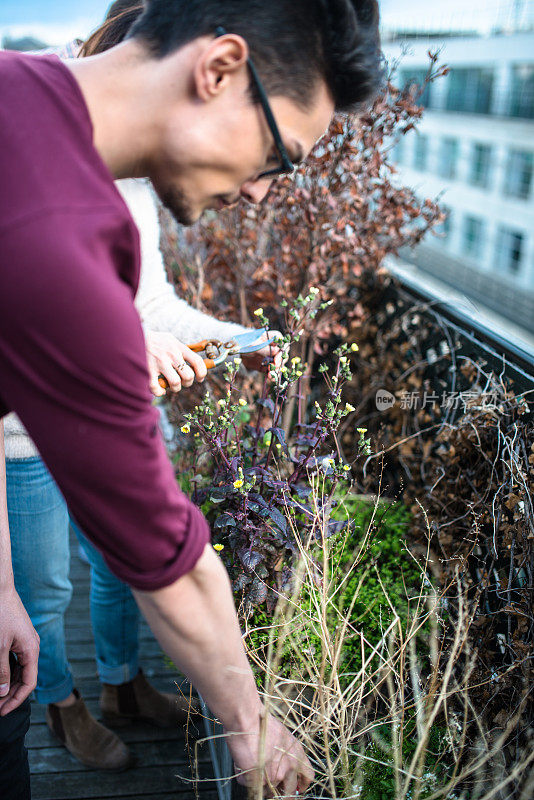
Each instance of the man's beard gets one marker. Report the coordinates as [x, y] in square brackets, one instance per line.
[174, 199]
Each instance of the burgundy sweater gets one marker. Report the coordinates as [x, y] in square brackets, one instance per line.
[72, 354]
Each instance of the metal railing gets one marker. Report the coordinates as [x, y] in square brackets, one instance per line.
[477, 337]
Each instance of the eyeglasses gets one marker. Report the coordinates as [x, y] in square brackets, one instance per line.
[286, 166]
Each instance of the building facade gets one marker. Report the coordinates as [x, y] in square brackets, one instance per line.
[474, 148]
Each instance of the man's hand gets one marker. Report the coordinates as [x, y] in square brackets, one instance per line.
[195, 621]
[18, 635]
[175, 361]
[270, 354]
[286, 769]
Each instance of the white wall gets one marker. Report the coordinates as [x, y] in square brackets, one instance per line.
[501, 132]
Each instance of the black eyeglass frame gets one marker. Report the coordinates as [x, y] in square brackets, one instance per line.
[287, 167]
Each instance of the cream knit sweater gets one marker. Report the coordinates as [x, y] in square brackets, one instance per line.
[156, 301]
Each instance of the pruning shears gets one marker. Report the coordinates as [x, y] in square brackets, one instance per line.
[217, 352]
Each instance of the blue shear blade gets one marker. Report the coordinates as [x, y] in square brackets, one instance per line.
[250, 337]
[251, 341]
[257, 346]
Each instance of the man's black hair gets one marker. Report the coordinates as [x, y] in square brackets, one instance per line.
[293, 43]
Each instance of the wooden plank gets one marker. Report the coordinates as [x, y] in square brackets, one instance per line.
[80, 786]
[152, 665]
[78, 612]
[39, 710]
[82, 624]
[90, 688]
[82, 634]
[80, 585]
[78, 605]
[151, 659]
[80, 651]
[148, 754]
[77, 566]
[39, 736]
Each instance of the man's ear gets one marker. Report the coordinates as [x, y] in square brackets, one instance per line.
[218, 63]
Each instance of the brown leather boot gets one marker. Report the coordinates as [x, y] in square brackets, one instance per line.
[88, 740]
[138, 700]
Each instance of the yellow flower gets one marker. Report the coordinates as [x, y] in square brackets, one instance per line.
[258, 312]
[314, 290]
[222, 402]
[185, 429]
[238, 484]
[343, 359]
[218, 547]
[362, 430]
[242, 401]
[349, 408]
[354, 347]
[346, 467]
[295, 360]
[331, 462]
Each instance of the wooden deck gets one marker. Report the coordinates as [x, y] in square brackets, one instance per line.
[163, 755]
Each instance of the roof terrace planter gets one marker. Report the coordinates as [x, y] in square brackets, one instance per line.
[449, 404]
[223, 766]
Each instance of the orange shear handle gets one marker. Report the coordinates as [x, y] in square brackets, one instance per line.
[198, 347]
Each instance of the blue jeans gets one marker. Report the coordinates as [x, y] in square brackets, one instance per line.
[39, 525]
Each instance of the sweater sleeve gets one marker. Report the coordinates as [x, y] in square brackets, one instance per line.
[73, 366]
[159, 306]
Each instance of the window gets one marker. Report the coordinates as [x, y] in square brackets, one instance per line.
[407, 77]
[518, 178]
[473, 236]
[522, 99]
[448, 157]
[508, 250]
[479, 167]
[420, 152]
[470, 89]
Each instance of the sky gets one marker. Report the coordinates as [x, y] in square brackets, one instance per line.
[58, 21]
[53, 21]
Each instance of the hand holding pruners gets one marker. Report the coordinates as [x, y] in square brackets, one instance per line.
[215, 351]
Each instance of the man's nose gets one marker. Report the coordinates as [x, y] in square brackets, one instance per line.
[255, 191]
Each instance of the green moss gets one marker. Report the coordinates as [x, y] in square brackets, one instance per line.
[385, 577]
[383, 580]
